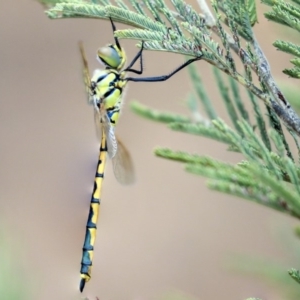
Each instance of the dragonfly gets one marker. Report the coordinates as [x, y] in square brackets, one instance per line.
[107, 104]
[104, 91]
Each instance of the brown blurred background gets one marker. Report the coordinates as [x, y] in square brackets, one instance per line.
[165, 234]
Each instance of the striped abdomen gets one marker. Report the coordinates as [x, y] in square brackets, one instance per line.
[91, 226]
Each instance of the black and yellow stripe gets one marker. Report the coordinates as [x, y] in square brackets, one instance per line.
[91, 226]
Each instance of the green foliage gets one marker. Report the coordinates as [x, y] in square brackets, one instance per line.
[189, 33]
[289, 15]
[201, 93]
[295, 274]
[159, 116]
[251, 8]
[269, 173]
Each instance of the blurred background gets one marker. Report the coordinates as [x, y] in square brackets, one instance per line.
[165, 237]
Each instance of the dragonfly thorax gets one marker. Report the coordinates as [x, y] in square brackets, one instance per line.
[107, 87]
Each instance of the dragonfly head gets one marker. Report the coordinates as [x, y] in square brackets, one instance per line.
[112, 57]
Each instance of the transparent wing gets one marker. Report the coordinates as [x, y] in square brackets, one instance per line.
[98, 123]
[121, 159]
[111, 140]
[122, 165]
[102, 121]
[86, 72]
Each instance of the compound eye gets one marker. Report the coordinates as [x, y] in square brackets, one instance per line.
[110, 56]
